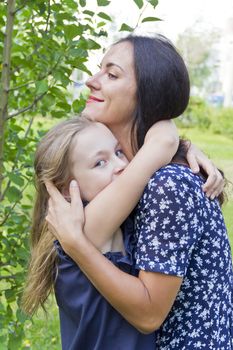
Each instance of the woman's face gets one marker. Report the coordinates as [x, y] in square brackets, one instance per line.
[96, 159]
[112, 98]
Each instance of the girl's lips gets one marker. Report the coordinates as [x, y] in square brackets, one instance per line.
[94, 99]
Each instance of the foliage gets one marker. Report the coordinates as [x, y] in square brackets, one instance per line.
[200, 57]
[222, 121]
[197, 114]
[219, 148]
[41, 43]
[201, 115]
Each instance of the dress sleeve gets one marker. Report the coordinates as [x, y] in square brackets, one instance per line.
[168, 224]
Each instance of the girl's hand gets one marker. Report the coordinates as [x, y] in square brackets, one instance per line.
[66, 219]
[215, 182]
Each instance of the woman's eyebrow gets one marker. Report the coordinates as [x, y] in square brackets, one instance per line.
[110, 64]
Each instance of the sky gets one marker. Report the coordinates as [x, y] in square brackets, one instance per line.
[177, 15]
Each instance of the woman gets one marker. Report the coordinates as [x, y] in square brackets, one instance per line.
[182, 249]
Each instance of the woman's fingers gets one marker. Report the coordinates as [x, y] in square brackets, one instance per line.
[53, 191]
[76, 202]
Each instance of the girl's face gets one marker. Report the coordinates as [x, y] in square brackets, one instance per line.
[96, 159]
[112, 99]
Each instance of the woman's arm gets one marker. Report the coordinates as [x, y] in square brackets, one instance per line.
[106, 212]
[144, 301]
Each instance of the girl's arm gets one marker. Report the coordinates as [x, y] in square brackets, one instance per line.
[215, 182]
[106, 212]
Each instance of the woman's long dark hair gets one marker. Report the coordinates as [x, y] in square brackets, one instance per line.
[163, 89]
[162, 83]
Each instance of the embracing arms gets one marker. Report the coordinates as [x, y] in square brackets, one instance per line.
[143, 301]
[106, 212]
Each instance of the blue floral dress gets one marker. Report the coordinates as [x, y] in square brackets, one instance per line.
[181, 232]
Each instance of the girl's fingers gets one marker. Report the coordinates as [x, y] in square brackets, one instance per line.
[192, 161]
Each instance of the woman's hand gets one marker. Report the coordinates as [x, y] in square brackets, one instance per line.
[66, 219]
[215, 182]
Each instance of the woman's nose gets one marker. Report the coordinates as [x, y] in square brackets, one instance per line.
[93, 82]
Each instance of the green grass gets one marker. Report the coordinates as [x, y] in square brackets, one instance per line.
[220, 149]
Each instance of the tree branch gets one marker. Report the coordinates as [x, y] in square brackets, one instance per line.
[37, 99]
[20, 7]
[5, 79]
[13, 206]
[48, 17]
[140, 16]
[20, 86]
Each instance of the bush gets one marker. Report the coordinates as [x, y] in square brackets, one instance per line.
[222, 121]
[202, 116]
[197, 114]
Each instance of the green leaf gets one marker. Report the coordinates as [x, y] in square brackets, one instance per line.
[17, 179]
[21, 317]
[82, 3]
[89, 13]
[58, 114]
[126, 28]
[103, 2]
[104, 16]
[88, 44]
[72, 30]
[139, 3]
[13, 194]
[151, 19]
[154, 3]
[83, 68]
[41, 86]
[78, 106]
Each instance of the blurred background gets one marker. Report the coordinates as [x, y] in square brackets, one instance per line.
[54, 47]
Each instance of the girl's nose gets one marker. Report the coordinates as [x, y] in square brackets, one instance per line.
[119, 165]
[93, 82]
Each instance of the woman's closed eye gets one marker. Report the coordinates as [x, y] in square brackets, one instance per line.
[112, 76]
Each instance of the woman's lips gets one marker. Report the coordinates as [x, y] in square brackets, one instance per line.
[94, 99]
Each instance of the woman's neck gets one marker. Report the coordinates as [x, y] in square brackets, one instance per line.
[123, 135]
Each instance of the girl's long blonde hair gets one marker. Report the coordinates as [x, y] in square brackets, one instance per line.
[51, 163]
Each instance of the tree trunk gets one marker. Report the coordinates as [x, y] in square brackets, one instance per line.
[5, 80]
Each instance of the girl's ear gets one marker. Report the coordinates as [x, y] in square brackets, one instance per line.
[66, 194]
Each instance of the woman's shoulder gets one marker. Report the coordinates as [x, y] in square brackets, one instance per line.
[176, 172]
[173, 180]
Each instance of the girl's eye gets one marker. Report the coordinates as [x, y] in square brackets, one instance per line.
[119, 153]
[100, 163]
[112, 76]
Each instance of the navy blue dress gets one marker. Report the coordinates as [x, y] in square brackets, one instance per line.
[87, 320]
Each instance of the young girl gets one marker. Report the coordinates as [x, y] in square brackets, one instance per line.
[89, 153]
